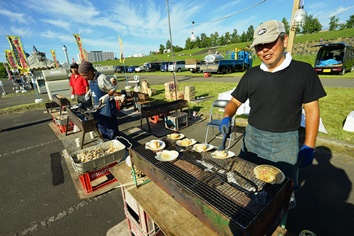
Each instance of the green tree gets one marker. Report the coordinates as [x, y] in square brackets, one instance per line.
[227, 37]
[161, 49]
[286, 25]
[249, 33]
[311, 25]
[3, 73]
[243, 37]
[350, 22]
[168, 44]
[214, 38]
[333, 23]
[234, 37]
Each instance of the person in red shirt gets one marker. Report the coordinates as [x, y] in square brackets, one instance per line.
[79, 85]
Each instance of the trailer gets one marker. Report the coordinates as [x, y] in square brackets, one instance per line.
[238, 60]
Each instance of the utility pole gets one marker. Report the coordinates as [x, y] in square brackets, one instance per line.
[292, 30]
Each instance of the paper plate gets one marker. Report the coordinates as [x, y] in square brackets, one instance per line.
[182, 143]
[229, 154]
[166, 155]
[162, 145]
[180, 136]
[199, 147]
[269, 174]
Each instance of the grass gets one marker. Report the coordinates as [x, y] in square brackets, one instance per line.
[334, 107]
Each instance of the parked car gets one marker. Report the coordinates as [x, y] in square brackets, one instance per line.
[152, 66]
[121, 69]
[164, 66]
[140, 69]
[177, 66]
[131, 69]
[334, 58]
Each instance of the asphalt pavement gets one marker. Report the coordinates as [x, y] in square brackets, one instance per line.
[35, 201]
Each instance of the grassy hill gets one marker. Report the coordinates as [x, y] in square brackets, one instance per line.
[200, 53]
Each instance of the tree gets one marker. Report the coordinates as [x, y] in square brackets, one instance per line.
[350, 22]
[3, 73]
[286, 25]
[333, 23]
[311, 25]
[161, 49]
[249, 33]
[168, 44]
[234, 37]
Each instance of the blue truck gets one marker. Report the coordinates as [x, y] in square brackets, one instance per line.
[238, 60]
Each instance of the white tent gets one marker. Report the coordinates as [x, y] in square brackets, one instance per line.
[38, 61]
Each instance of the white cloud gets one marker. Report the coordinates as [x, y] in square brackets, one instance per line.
[13, 16]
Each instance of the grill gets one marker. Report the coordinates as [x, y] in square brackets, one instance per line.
[83, 120]
[222, 193]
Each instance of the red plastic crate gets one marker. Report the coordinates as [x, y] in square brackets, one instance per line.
[87, 178]
[62, 128]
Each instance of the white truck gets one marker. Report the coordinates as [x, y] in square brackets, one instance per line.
[193, 65]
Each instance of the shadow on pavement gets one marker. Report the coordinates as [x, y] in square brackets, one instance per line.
[322, 205]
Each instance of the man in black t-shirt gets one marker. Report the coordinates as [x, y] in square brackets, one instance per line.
[277, 90]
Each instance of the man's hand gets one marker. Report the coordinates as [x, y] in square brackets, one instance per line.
[88, 95]
[305, 156]
[104, 98]
[72, 97]
[225, 125]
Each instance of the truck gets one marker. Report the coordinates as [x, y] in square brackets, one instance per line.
[193, 65]
[334, 58]
[238, 60]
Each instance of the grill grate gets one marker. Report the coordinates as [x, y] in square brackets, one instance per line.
[235, 202]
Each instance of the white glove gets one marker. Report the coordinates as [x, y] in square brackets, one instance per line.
[104, 98]
[88, 95]
[72, 97]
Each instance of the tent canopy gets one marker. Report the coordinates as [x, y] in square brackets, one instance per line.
[38, 61]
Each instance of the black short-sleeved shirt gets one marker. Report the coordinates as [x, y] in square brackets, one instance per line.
[276, 98]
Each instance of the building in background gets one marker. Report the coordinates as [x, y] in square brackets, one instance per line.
[97, 56]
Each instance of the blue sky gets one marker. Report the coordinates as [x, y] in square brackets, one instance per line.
[141, 24]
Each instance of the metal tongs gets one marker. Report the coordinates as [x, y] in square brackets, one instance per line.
[96, 108]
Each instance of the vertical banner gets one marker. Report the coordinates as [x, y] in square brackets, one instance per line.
[11, 60]
[17, 48]
[9, 75]
[121, 57]
[80, 46]
[56, 64]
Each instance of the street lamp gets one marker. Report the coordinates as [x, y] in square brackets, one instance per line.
[193, 39]
[66, 54]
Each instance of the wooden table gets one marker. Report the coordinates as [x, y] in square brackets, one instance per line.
[169, 215]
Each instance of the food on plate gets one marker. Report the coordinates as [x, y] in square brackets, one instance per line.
[155, 144]
[174, 135]
[269, 174]
[201, 147]
[186, 142]
[165, 155]
[220, 154]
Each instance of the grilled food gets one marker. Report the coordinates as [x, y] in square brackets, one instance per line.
[186, 142]
[174, 135]
[220, 154]
[269, 174]
[202, 147]
[155, 144]
[94, 153]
